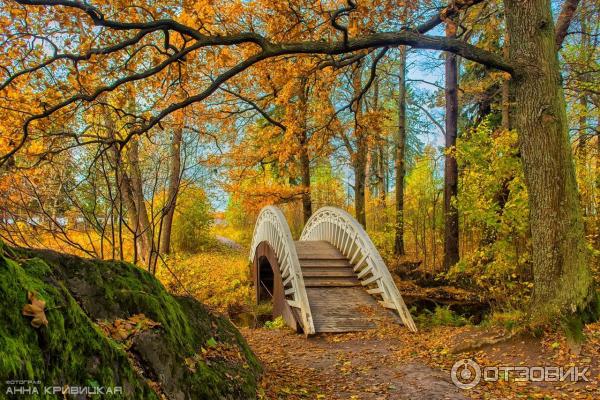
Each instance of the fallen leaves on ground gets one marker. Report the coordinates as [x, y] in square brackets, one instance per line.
[215, 351]
[122, 330]
[390, 362]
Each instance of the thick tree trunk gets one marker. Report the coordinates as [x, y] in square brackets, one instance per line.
[399, 164]
[451, 255]
[562, 277]
[172, 191]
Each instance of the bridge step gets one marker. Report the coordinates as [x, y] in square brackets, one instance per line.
[321, 281]
[317, 249]
[320, 263]
[328, 272]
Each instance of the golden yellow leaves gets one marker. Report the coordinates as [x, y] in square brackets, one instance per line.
[123, 329]
[217, 279]
[36, 310]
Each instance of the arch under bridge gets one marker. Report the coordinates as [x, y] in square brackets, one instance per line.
[331, 280]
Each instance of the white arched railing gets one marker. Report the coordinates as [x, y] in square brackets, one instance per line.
[340, 229]
[272, 227]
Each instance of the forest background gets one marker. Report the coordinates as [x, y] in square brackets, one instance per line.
[419, 145]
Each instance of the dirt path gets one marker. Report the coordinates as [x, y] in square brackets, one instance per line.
[390, 362]
[350, 366]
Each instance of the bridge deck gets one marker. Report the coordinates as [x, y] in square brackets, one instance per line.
[337, 299]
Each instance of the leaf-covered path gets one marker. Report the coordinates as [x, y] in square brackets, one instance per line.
[348, 366]
[389, 363]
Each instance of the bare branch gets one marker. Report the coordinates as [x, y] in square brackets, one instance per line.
[255, 106]
[343, 12]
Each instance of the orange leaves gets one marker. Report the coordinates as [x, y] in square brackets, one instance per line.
[123, 329]
[36, 310]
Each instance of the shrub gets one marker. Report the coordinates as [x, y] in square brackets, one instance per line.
[441, 316]
[277, 323]
[192, 222]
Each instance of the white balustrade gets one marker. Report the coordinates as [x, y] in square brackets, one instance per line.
[271, 227]
[340, 229]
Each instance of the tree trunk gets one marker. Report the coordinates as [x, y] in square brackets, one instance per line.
[145, 242]
[451, 255]
[378, 157]
[305, 170]
[506, 89]
[399, 164]
[304, 154]
[126, 198]
[381, 173]
[582, 153]
[360, 177]
[563, 286]
[587, 198]
[173, 190]
[359, 161]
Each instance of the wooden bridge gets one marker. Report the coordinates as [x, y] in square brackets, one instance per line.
[332, 280]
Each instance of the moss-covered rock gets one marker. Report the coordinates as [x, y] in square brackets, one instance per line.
[169, 360]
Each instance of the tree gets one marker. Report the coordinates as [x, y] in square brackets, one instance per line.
[303, 139]
[451, 232]
[173, 189]
[378, 166]
[562, 276]
[358, 151]
[400, 162]
[287, 137]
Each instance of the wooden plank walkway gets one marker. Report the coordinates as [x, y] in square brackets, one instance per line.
[337, 300]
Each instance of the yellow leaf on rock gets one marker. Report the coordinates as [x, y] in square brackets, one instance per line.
[36, 310]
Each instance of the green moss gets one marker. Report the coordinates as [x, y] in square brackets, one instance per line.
[72, 350]
[573, 324]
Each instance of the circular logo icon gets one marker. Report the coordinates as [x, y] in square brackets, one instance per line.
[466, 374]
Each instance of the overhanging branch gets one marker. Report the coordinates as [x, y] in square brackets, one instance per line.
[405, 37]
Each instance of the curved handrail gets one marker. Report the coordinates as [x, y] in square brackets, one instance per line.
[345, 233]
[271, 226]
